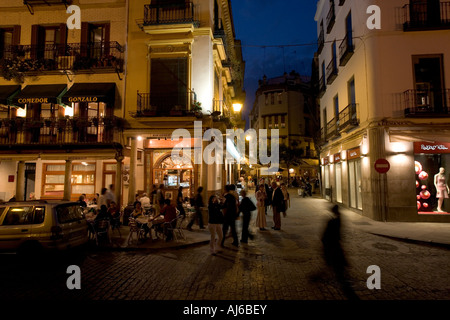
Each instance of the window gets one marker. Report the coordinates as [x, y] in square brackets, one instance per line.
[24, 215]
[336, 106]
[82, 180]
[8, 37]
[269, 122]
[272, 98]
[283, 121]
[280, 97]
[169, 89]
[351, 91]
[276, 122]
[69, 213]
[47, 42]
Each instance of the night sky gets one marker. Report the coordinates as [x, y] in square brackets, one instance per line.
[279, 26]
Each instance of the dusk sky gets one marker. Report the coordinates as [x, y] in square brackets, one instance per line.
[273, 34]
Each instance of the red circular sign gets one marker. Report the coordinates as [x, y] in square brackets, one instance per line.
[382, 166]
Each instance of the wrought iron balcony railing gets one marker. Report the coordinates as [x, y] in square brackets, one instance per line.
[426, 103]
[99, 57]
[61, 131]
[169, 13]
[348, 118]
[332, 70]
[426, 15]
[346, 49]
[178, 103]
[332, 129]
[331, 17]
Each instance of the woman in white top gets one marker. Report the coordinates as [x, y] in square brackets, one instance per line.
[261, 217]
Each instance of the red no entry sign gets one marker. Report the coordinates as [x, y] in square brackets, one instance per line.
[382, 166]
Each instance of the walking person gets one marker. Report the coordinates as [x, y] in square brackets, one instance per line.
[268, 201]
[198, 204]
[246, 207]
[180, 202]
[215, 224]
[260, 200]
[334, 254]
[230, 213]
[277, 205]
[286, 199]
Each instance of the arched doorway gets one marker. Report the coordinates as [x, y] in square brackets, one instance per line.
[174, 173]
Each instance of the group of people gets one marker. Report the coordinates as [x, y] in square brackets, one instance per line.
[275, 197]
[107, 207]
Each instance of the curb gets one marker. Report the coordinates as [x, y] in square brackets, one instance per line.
[414, 241]
[130, 249]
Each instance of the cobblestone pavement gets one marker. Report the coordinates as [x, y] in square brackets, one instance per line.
[276, 265]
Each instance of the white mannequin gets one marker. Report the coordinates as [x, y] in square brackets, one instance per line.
[442, 189]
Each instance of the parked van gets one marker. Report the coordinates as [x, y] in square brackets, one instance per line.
[31, 226]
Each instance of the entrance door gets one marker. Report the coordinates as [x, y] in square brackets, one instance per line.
[429, 83]
[338, 182]
[354, 179]
[30, 179]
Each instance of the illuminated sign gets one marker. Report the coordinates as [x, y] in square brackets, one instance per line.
[433, 148]
[82, 99]
[337, 157]
[354, 153]
[32, 100]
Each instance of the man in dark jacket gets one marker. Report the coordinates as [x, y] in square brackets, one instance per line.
[198, 210]
[277, 204]
[230, 210]
[246, 207]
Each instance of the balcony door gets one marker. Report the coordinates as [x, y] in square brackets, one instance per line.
[95, 39]
[429, 83]
[48, 41]
[425, 12]
[169, 89]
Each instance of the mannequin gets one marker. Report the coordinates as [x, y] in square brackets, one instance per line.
[442, 190]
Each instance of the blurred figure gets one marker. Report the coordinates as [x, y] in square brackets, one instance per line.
[215, 224]
[180, 202]
[334, 254]
[32, 196]
[145, 202]
[260, 200]
[286, 199]
[277, 205]
[230, 213]
[198, 204]
[246, 207]
[82, 201]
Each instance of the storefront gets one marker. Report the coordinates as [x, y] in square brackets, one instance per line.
[338, 176]
[354, 178]
[432, 168]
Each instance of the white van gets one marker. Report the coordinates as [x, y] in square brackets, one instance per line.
[31, 226]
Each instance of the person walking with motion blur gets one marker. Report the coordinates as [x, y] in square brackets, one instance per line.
[230, 212]
[260, 204]
[334, 254]
[215, 224]
[246, 207]
[198, 210]
[277, 205]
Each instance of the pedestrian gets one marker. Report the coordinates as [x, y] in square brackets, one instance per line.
[180, 202]
[230, 213]
[82, 202]
[286, 199]
[145, 202]
[215, 224]
[160, 195]
[268, 201]
[110, 195]
[102, 200]
[260, 200]
[277, 205]
[198, 205]
[246, 207]
[334, 254]
[153, 195]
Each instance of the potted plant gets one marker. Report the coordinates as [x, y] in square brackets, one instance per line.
[197, 109]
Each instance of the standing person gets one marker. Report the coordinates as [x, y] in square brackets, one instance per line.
[286, 199]
[215, 224]
[198, 204]
[145, 201]
[246, 207]
[180, 202]
[334, 254]
[260, 200]
[102, 200]
[160, 195]
[110, 195]
[268, 201]
[153, 195]
[277, 205]
[230, 213]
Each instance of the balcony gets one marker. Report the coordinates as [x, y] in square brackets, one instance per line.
[427, 103]
[346, 49]
[332, 71]
[331, 17]
[321, 42]
[92, 58]
[348, 118]
[426, 16]
[166, 104]
[57, 132]
[341, 2]
[332, 129]
[322, 87]
[169, 14]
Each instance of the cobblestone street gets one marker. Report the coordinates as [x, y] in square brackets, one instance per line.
[276, 265]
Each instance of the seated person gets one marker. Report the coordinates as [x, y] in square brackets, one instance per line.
[139, 213]
[145, 201]
[170, 213]
[103, 214]
[82, 202]
[113, 210]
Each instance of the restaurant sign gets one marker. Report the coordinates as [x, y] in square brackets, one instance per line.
[431, 148]
[82, 99]
[354, 153]
[337, 157]
[326, 161]
[32, 100]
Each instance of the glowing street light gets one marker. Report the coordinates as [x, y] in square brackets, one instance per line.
[237, 107]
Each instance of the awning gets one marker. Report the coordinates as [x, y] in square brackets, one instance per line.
[430, 135]
[7, 92]
[90, 92]
[45, 93]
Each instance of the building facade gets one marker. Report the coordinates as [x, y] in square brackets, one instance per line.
[286, 103]
[384, 106]
[83, 109]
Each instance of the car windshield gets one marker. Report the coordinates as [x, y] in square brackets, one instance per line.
[69, 213]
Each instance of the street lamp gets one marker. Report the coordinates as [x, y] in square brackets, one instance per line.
[237, 107]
